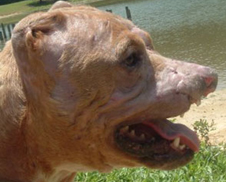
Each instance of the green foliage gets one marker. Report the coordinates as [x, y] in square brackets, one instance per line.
[203, 128]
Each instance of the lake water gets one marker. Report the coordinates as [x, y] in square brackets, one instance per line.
[190, 30]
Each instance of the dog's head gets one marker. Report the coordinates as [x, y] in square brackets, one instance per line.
[98, 94]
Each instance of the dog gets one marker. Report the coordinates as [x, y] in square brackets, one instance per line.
[83, 90]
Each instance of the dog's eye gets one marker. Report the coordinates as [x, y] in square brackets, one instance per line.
[132, 60]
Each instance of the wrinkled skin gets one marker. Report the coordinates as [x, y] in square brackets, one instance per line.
[69, 78]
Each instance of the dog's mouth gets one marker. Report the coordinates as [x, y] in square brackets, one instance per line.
[158, 141]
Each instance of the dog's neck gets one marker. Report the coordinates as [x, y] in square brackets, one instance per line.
[15, 122]
[12, 109]
[12, 100]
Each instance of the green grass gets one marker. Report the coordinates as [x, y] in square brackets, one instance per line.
[209, 165]
[13, 19]
[20, 9]
[23, 8]
[27, 6]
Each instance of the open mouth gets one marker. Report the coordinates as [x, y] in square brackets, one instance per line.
[158, 141]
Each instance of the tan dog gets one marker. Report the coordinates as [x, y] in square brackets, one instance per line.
[84, 90]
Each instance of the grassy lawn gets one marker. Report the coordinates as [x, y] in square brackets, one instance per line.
[20, 9]
[209, 165]
[23, 8]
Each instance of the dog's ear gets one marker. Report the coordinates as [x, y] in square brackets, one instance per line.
[45, 26]
[30, 42]
[31, 37]
[32, 34]
[60, 4]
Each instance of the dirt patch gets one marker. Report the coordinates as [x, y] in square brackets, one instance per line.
[7, 16]
[213, 108]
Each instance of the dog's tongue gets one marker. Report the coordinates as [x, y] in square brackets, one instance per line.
[170, 131]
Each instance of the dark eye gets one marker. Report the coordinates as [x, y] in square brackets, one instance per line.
[132, 60]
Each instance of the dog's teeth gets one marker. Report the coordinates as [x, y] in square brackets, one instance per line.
[182, 147]
[198, 102]
[142, 136]
[176, 142]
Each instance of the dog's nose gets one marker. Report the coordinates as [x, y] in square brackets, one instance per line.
[210, 80]
[196, 81]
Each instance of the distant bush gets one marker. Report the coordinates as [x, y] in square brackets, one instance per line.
[203, 129]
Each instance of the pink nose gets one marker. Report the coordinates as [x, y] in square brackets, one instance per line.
[211, 83]
[197, 81]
